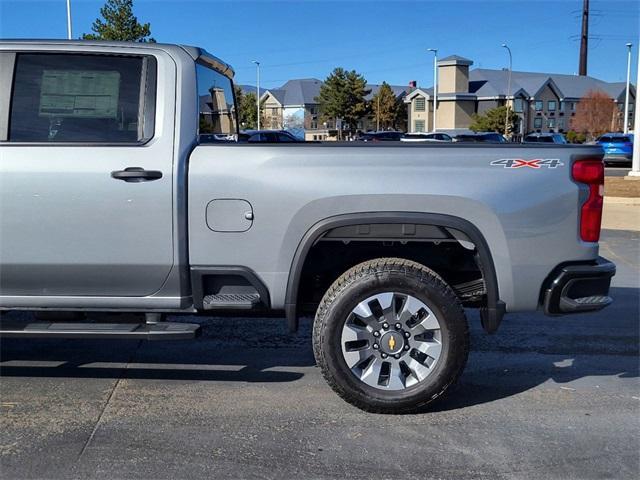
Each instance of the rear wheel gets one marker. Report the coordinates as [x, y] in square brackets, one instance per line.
[390, 336]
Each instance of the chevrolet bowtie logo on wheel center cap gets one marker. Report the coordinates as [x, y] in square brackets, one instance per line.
[392, 343]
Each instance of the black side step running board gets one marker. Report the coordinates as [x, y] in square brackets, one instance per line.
[232, 301]
[142, 331]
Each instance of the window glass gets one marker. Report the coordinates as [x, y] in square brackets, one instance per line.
[551, 105]
[216, 104]
[518, 105]
[78, 98]
[283, 137]
[257, 137]
[537, 122]
[419, 126]
[539, 105]
[420, 104]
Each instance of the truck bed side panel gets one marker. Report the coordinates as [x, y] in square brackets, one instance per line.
[528, 216]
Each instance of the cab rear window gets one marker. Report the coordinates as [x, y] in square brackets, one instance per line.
[81, 98]
[216, 105]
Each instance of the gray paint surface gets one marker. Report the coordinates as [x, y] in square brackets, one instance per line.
[528, 216]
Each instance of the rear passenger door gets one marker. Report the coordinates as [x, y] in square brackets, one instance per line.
[85, 175]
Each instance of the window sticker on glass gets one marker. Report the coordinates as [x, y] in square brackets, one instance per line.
[87, 94]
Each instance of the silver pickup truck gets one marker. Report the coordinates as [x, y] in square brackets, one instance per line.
[123, 188]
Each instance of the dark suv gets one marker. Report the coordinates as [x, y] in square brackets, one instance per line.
[483, 137]
[380, 136]
[545, 138]
[268, 136]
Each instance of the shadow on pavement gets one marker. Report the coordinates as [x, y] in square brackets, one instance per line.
[529, 350]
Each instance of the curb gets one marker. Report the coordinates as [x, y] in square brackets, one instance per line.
[622, 200]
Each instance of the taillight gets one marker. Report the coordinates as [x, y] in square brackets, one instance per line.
[590, 172]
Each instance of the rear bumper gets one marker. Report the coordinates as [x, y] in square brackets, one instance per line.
[579, 288]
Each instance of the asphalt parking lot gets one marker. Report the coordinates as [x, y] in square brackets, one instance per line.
[543, 398]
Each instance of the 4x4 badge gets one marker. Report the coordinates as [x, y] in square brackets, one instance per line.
[534, 163]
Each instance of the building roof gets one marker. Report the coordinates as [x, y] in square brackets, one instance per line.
[454, 60]
[303, 91]
[490, 83]
[247, 88]
[297, 92]
[398, 90]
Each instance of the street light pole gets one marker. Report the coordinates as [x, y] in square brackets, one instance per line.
[635, 164]
[435, 84]
[506, 117]
[69, 20]
[626, 95]
[258, 89]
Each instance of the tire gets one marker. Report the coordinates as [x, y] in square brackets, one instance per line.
[352, 357]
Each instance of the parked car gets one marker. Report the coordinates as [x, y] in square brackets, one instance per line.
[117, 207]
[380, 136]
[268, 136]
[545, 138]
[618, 148]
[426, 137]
[480, 137]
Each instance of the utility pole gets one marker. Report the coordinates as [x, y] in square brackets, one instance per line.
[378, 113]
[626, 95]
[258, 89]
[584, 37]
[69, 34]
[506, 118]
[435, 84]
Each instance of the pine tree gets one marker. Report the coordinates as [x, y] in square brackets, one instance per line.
[247, 109]
[119, 23]
[342, 97]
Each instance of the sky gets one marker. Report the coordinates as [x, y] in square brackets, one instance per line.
[383, 40]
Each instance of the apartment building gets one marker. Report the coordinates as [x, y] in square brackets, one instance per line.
[544, 102]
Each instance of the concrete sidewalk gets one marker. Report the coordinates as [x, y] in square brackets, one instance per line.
[621, 213]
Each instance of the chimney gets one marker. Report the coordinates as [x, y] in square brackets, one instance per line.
[453, 74]
[412, 85]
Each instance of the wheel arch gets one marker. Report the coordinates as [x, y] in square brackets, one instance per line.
[491, 314]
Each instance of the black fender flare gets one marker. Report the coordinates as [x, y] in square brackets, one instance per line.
[491, 314]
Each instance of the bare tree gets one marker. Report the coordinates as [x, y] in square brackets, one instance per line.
[594, 114]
